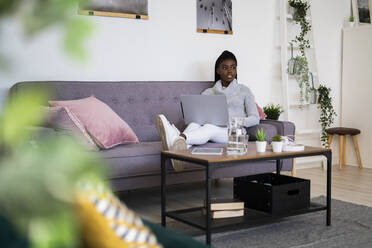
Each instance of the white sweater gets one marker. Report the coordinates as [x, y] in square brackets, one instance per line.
[240, 101]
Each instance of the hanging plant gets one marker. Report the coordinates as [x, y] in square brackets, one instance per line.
[327, 112]
[301, 72]
[299, 16]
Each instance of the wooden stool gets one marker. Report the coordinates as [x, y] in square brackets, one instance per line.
[342, 131]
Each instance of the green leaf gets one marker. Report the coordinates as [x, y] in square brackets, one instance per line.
[22, 111]
[77, 32]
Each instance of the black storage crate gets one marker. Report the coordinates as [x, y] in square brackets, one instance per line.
[272, 193]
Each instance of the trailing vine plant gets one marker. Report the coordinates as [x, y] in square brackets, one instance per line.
[301, 63]
[301, 73]
[299, 16]
[327, 112]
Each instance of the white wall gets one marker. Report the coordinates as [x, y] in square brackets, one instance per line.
[356, 91]
[328, 20]
[167, 47]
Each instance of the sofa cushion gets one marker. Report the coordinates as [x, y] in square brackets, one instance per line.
[143, 159]
[260, 112]
[139, 159]
[104, 125]
[65, 122]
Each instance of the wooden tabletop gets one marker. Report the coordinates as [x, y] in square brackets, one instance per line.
[252, 154]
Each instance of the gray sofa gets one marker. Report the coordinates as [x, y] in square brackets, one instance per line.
[134, 166]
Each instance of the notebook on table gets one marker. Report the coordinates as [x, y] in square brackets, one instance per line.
[205, 109]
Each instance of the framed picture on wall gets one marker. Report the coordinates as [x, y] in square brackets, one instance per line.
[214, 16]
[362, 10]
[137, 9]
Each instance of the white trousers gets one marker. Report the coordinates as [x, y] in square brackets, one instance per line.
[199, 135]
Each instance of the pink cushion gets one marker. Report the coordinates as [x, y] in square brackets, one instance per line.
[260, 112]
[101, 122]
[65, 122]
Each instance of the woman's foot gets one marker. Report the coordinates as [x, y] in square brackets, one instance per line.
[168, 133]
[178, 144]
[170, 138]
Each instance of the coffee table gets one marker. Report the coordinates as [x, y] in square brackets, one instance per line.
[193, 216]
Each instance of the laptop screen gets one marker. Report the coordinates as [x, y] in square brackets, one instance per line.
[204, 109]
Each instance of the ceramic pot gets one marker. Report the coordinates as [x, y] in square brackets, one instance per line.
[261, 146]
[277, 146]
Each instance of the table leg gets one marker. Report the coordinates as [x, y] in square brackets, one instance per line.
[329, 179]
[163, 189]
[208, 181]
[278, 166]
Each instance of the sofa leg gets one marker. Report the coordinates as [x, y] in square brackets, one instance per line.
[294, 168]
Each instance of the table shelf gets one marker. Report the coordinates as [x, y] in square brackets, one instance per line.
[195, 218]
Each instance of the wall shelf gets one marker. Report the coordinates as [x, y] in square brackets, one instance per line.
[297, 105]
[294, 47]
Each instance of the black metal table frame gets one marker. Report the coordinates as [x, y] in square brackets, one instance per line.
[209, 167]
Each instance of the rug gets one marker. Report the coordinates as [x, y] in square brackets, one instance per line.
[351, 227]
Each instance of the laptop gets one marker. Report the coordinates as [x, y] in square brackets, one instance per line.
[204, 109]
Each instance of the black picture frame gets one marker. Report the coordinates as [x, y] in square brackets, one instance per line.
[362, 10]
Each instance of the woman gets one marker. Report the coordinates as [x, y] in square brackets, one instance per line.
[240, 101]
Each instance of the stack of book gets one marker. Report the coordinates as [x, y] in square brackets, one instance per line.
[226, 208]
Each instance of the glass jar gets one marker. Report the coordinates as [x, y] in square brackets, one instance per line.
[237, 138]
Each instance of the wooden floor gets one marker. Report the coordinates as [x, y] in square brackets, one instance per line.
[350, 184]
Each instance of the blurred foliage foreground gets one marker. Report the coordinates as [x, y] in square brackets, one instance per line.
[38, 180]
[37, 15]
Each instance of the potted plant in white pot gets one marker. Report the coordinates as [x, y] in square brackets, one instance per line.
[261, 142]
[351, 21]
[277, 143]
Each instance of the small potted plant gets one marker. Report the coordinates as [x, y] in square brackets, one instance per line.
[277, 143]
[261, 142]
[272, 111]
[351, 21]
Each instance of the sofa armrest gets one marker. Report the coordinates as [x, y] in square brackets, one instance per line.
[272, 128]
[283, 128]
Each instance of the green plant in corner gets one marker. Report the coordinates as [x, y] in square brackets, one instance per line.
[327, 112]
[277, 138]
[260, 134]
[351, 19]
[273, 111]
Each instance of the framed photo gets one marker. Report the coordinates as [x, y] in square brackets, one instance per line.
[362, 10]
[137, 9]
[214, 16]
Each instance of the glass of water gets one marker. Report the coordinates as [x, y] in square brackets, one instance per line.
[244, 138]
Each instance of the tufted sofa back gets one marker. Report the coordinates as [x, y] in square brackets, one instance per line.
[138, 103]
